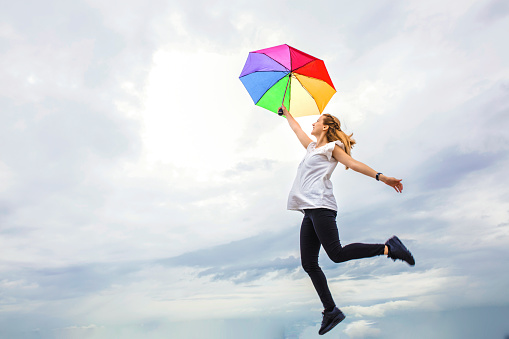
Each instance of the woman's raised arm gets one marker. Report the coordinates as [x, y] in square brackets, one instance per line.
[304, 139]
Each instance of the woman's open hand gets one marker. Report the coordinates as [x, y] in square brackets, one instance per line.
[393, 182]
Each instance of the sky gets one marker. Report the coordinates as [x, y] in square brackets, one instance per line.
[143, 194]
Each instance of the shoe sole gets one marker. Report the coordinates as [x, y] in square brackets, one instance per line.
[333, 324]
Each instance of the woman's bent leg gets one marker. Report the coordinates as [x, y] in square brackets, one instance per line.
[324, 221]
[309, 250]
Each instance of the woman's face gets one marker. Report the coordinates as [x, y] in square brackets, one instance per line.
[318, 127]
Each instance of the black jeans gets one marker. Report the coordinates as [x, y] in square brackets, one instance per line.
[319, 229]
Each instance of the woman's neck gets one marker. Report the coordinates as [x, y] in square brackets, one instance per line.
[321, 140]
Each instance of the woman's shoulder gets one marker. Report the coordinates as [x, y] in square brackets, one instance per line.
[337, 142]
[329, 147]
[331, 144]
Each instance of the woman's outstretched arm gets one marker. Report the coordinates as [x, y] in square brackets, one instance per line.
[340, 155]
[304, 139]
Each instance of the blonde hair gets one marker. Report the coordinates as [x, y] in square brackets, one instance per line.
[334, 133]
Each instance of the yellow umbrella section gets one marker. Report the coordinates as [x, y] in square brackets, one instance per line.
[308, 96]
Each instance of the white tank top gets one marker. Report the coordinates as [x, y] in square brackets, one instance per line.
[312, 187]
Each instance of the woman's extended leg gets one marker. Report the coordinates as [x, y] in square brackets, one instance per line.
[324, 222]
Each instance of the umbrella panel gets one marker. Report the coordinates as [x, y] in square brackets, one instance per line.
[273, 98]
[258, 83]
[299, 58]
[279, 53]
[319, 90]
[289, 57]
[261, 63]
[302, 103]
[315, 69]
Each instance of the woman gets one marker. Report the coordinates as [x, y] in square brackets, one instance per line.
[312, 194]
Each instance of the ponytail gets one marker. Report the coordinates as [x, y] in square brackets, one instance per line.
[334, 133]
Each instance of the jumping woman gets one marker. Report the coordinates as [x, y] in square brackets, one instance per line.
[312, 194]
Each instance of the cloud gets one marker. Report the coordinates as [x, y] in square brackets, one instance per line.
[451, 166]
[493, 11]
[251, 273]
[81, 328]
[378, 310]
[361, 329]
[245, 260]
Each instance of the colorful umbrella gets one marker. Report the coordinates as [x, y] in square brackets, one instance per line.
[285, 75]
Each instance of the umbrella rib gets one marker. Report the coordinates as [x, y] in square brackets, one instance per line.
[245, 75]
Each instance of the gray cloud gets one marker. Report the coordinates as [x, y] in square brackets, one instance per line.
[452, 165]
[249, 273]
[493, 11]
[248, 250]
[242, 167]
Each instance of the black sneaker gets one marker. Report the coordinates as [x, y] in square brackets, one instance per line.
[331, 319]
[398, 251]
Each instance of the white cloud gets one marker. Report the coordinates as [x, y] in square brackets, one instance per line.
[361, 329]
[18, 284]
[84, 327]
[310, 332]
[190, 120]
[379, 310]
[424, 289]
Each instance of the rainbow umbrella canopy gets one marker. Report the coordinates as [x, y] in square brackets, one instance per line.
[284, 75]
